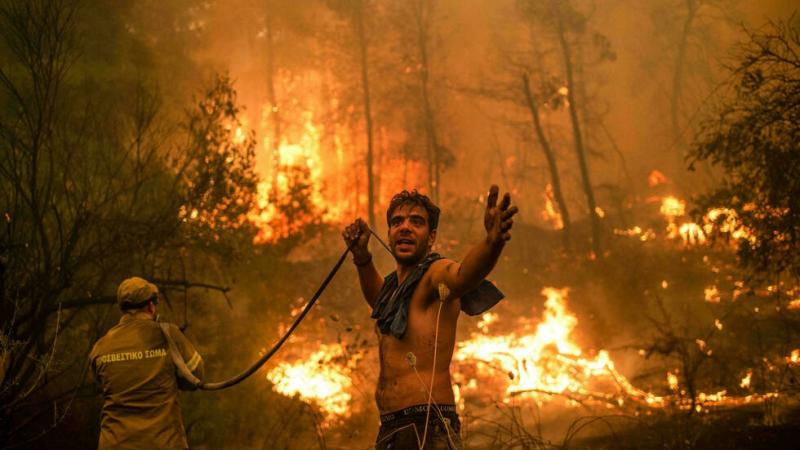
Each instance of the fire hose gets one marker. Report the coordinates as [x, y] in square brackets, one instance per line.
[187, 374]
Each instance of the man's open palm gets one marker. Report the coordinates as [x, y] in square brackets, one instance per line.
[498, 219]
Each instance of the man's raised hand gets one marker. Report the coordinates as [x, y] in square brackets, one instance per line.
[356, 236]
[498, 219]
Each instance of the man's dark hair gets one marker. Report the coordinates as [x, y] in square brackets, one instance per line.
[416, 199]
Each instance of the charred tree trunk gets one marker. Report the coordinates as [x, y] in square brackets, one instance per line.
[361, 35]
[677, 78]
[434, 164]
[576, 132]
[551, 160]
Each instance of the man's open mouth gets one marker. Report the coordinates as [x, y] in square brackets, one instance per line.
[405, 242]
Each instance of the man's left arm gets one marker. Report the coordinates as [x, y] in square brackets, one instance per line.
[483, 256]
[192, 358]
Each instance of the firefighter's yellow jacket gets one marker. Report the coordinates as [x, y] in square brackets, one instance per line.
[140, 385]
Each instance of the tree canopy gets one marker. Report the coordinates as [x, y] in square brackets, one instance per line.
[755, 139]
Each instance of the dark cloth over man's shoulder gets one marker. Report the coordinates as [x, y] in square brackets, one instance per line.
[391, 308]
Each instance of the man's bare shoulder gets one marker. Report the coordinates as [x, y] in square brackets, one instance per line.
[439, 270]
[442, 264]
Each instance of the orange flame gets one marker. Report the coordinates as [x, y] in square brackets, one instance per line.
[331, 177]
[711, 294]
[655, 178]
[550, 214]
[794, 358]
[672, 207]
[722, 220]
[547, 361]
[539, 361]
[300, 175]
[320, 379]
[745, 383]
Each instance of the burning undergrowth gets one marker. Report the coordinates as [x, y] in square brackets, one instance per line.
[541, 359]
[662, 337]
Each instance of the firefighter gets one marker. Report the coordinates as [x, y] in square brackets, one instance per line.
[138, 378]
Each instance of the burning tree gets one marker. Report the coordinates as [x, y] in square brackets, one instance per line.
[281, 30]
[216, 168]
[546, 58]
[754, 139]
[357, 15]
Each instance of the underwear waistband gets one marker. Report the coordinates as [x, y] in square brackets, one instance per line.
[418, 410]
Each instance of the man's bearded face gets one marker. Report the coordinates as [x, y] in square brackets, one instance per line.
[410, 236]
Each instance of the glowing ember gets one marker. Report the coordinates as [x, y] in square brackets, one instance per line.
[727, 221]
[599, 211]
[320, 379]
[692, 233]
[722, 221]
[712, 294]
[689, 232]
[655, 178]
[672, 381]
[644, 235]
[672, 207]
[486, 320]
[240, 135]
[745, 383]
[635, 231]
[794, 358]
[716, 220]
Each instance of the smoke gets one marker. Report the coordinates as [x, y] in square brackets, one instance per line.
[295, 66]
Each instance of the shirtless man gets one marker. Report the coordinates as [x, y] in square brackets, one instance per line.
[416, 326]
